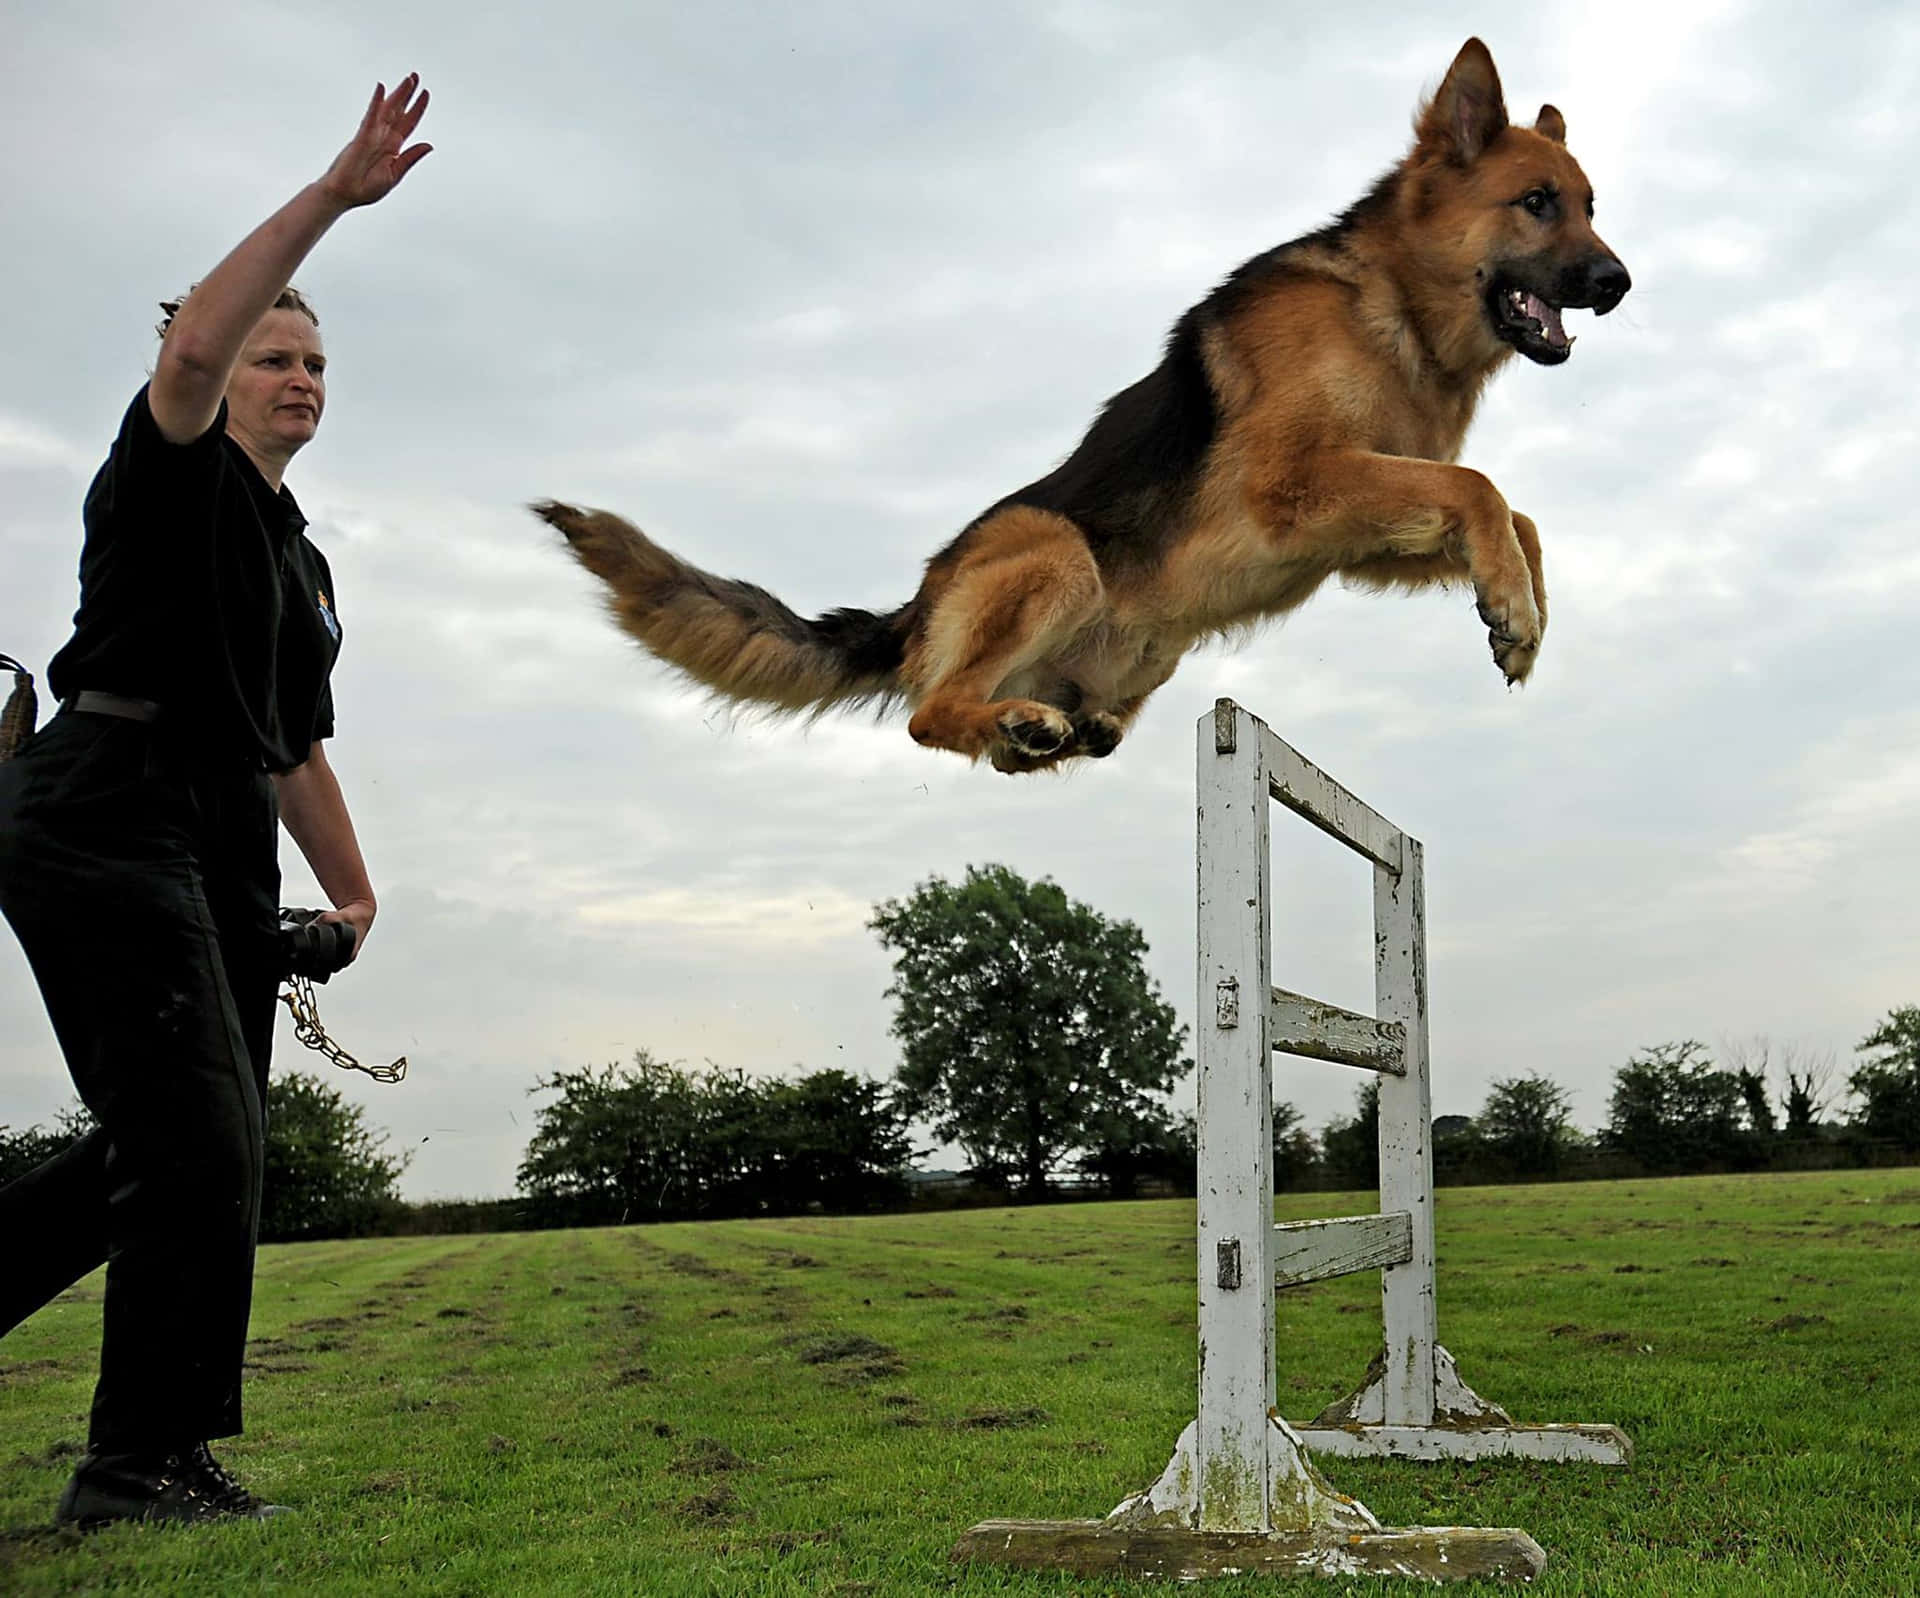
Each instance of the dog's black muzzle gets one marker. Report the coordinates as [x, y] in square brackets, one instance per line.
[1597, 284]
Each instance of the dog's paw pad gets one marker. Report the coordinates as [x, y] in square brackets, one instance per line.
[1097, 733]
[1039, 730]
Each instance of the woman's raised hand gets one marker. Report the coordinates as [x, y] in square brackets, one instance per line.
[374, 162]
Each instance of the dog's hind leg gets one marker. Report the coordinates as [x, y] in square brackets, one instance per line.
[1023, 584]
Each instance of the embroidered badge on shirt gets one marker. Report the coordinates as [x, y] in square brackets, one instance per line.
[327, 616]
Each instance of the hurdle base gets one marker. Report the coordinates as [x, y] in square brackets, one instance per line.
[1464, 1426]
[1177, 1553]
[1592, 1445]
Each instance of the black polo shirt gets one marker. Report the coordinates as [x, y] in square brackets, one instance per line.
[199, 589]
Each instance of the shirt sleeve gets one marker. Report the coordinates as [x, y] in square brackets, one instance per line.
[323, 714]
[156, 485]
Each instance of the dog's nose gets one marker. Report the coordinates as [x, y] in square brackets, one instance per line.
[1608, 282]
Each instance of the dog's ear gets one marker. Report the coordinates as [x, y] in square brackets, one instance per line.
[1551, 124]
[1467, 112]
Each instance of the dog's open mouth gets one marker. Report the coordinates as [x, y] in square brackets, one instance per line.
[1529, 323]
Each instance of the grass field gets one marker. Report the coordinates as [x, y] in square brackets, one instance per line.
[821, 1406]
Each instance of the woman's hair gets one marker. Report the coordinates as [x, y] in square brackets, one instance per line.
[291, 299]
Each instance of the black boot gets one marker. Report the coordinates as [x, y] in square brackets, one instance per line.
[185, 1487]
[235, 1501]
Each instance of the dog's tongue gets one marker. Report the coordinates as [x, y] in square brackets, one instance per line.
[1548, 316]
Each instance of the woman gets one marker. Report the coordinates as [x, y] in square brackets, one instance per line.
[138, 846]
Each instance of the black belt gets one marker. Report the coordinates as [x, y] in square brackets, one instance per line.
[91, 701]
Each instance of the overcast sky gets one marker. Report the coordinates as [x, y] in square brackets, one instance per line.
[803, 288]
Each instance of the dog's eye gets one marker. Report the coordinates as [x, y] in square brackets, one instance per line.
[1537, 202]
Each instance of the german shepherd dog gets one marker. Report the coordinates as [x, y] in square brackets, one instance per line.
[1303, 425]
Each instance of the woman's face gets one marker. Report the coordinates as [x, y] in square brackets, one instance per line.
[279, 387]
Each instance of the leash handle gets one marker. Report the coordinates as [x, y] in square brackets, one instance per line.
[22, 712]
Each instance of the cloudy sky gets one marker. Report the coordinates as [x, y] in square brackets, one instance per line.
[801, 289]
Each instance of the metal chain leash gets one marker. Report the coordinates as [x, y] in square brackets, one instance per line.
[301, 1005]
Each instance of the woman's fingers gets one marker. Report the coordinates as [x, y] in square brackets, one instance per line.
[407, 160]
[375, 160]
[412, 118]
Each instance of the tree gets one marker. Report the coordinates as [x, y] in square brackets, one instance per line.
[1807, 1080]
[327, 1172]
[1026, 1020]
[838, 1140]
[1751, 1061]
[1124, 1148]
[1351, 1147]
[1673, 1109]
[1889, 1082]
[614, 1145]
[31, 1146]
[1294, 1151]
[650, 1141]
[1527, 1124]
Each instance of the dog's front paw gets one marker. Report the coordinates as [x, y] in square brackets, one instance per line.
[1030, 736]
[1097, 734]
[1031, 728]
[1514, 628]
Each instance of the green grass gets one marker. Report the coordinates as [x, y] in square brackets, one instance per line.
[822, 1406]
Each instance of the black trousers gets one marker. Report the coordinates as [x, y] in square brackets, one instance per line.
[142, 881]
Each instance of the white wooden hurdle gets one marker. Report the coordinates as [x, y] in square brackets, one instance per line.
[1242, 1492]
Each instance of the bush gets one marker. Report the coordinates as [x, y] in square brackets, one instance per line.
[327, 1172]
[650, 1141]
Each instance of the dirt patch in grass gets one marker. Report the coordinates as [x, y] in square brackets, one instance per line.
[848, 1359]
[18, 1541]
[633, 1376]
[55, 1453]
[781, 1542]
[994, 1420]
[1794, 1323]
[1600, 1339]
[930, 1292]
[718, 1502]
[834, 1348]
[1011, 1312]
[694, 1265]
[706, 1456]
[27, 1367]
[787, 1259]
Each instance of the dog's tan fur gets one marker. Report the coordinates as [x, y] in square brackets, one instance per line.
[1341, 373]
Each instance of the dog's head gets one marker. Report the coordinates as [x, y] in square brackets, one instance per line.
[1508, 210]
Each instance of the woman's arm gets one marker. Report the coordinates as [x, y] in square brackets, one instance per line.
[314, 812]
[206, 337]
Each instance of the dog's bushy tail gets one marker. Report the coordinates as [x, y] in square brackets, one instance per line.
[730, 636]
